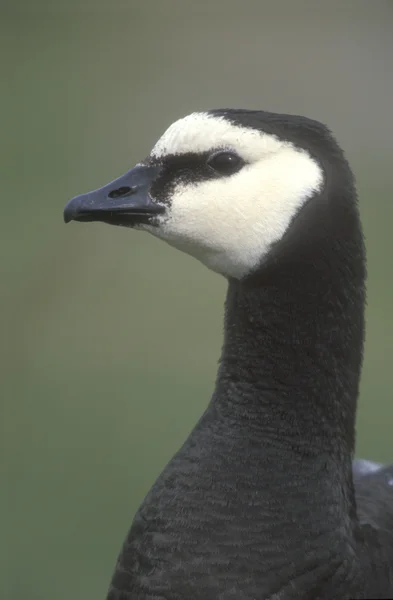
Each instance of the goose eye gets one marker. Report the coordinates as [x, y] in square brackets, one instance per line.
[225, 163]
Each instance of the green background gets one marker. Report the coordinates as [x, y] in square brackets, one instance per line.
[110, 339]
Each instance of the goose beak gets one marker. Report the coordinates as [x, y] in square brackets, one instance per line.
[125, 201]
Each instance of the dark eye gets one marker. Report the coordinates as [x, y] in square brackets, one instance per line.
[225, 163]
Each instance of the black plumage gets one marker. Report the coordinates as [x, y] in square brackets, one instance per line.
[262, 501]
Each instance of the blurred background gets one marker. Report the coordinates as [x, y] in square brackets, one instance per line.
[110, 339]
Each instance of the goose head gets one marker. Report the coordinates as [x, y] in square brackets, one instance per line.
[223, 186]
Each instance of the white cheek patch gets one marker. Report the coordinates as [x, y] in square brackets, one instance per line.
[230, 223]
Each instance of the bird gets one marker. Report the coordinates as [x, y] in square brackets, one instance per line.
[264, 500]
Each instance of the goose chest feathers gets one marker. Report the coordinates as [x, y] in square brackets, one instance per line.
[263, 500]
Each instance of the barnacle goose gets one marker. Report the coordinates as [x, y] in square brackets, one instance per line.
[263, 500]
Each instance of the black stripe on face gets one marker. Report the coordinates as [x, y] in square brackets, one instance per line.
[186, 169]
[189, 169]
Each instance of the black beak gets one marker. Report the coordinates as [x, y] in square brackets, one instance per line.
[124, 201]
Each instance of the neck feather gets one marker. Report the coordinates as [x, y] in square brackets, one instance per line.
[291, 361]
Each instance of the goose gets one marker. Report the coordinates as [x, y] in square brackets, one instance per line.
[263, 500]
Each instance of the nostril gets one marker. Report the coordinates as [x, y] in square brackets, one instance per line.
[121, 192]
